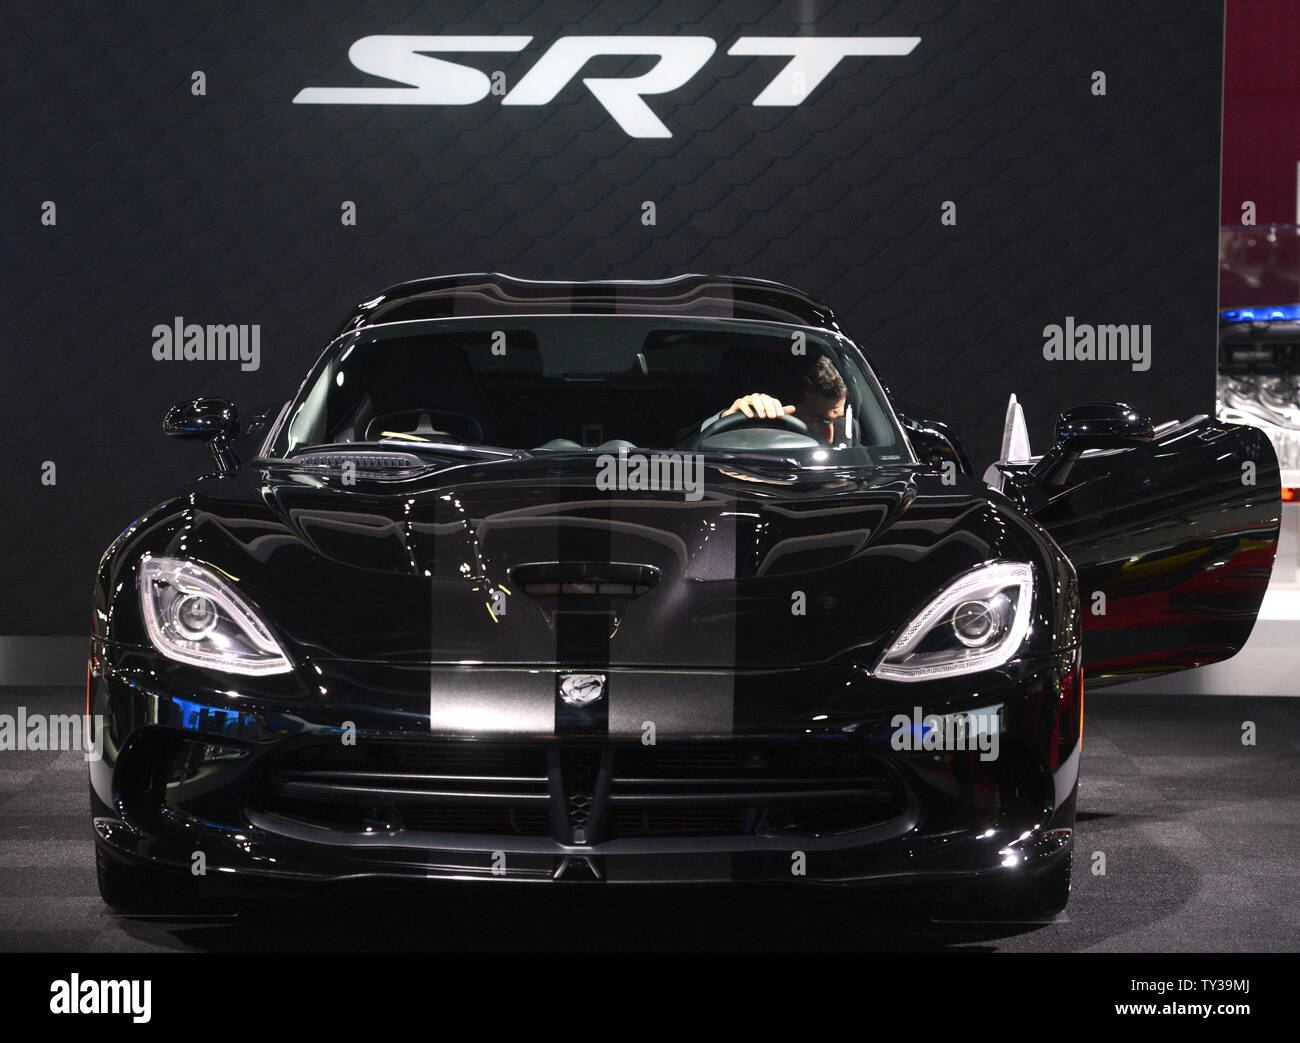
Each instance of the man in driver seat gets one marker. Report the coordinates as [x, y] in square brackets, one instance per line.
[822, 398]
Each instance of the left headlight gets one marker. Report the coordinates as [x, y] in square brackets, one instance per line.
[194, 616]
[979, 621]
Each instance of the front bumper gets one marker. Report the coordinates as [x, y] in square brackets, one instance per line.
[787, 778]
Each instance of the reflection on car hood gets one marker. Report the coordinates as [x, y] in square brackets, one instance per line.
[527, 562]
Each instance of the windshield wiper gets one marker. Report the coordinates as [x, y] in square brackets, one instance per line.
[781, 470]
[756, 467]
[764, 461]
[453, 449]
[389, 454]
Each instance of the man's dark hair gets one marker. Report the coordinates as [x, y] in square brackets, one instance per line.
[824, 379]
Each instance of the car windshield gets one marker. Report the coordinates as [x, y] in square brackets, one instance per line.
[575, 384]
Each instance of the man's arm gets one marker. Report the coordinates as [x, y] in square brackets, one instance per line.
[757, 405]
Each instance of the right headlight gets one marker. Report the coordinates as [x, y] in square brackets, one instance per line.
[979, 621]
[194, 616]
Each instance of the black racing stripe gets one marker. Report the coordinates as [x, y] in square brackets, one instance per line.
[582, 631]
[582, 635]
[753, 632]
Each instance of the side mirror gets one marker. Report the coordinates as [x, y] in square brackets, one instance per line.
[213, 420]
[1109, 425]
[935, 443]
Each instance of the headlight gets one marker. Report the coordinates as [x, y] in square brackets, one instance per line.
[194, 616]
[978, 622]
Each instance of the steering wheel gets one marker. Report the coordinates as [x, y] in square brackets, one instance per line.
[400, 422]
[787, 421]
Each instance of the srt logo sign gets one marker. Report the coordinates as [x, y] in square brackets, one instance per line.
[436, 81]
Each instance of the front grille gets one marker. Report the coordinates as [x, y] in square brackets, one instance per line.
[737, 788]
[580, 770]
[468, 758]
[583, 793]
[520, 822]
[674, 822]
[380, 786]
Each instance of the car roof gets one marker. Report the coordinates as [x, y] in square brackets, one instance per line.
[483, 294]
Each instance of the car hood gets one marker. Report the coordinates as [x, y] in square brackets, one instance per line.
[528, 563]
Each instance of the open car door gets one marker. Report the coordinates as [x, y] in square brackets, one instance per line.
[1172, 531]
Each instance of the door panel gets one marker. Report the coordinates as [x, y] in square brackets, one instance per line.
[1172, 542]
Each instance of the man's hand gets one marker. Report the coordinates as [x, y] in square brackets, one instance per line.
[762, 407]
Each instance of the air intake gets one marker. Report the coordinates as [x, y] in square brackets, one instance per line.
[361, 461]
[576, 579]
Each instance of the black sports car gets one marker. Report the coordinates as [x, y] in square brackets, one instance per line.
[641, 583]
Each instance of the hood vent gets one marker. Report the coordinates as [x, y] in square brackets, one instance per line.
[566, 579]
[369, 462]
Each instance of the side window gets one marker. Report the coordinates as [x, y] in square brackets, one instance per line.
[307, 425]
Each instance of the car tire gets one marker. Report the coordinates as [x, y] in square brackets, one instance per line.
[141, 891]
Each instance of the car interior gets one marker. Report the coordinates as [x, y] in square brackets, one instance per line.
[503, 388]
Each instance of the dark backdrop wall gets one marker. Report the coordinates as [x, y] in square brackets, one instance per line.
[226, 206]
